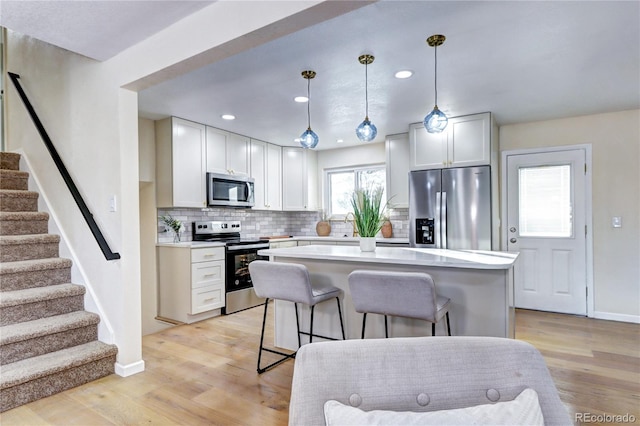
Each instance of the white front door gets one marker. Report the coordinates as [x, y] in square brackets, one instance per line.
[546, 223]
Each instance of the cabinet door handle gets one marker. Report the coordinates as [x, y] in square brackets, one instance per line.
[211, 299]
[209, 255]
[208, 275]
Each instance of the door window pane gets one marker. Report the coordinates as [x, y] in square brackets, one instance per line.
[545, 201]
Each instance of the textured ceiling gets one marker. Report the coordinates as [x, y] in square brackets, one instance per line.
[96, 29]
[524, 61]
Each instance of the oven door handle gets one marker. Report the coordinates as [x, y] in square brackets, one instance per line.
[248, 247]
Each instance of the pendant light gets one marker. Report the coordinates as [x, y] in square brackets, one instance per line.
[366, 131]
[436, 120]
[309, 139]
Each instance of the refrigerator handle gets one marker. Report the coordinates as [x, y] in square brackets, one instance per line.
[443, 220]
[436, 231]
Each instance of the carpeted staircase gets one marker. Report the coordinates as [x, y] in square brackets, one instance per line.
[48, 342]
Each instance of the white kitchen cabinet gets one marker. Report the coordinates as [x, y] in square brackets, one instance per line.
[180, 163]
[467, 141]
[266, 170]
[227, 153]
[191, 283]
[281, 244]
[398, 167]
[299, 179]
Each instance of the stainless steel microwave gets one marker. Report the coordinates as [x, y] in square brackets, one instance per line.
[229, 190]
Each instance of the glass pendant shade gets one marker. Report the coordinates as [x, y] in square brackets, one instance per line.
[309, 139]
[366, 131]
[436, 121]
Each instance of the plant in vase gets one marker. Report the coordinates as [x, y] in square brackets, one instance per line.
[368, 213]
[323, 227]
[175, 225]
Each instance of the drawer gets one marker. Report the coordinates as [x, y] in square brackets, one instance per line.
[207, 254]
[207, 273]
[207, 298]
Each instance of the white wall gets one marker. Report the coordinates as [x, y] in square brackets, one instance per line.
[615, 140]
[93, 120]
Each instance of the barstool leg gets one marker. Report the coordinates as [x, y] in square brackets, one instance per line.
[386, 329]
[295, 306]
[340, 315]
[311, 326]
[448, 324]
[364, 322]
[264, 320]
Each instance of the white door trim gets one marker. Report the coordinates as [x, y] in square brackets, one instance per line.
[588, 210]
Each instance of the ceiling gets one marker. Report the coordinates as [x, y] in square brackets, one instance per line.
[524, 61]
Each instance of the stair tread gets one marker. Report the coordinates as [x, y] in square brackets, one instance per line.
[37, 294]
[24, 216]
[44, 326]
[16, 173]
[34, 265]
[29, 239]
[18, 193]
[40, 366]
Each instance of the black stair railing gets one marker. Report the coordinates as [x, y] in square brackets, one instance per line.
[88, 217]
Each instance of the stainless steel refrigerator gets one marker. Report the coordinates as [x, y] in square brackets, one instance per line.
[450, 208]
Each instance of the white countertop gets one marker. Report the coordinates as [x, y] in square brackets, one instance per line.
[470, 259]
[191, 244]
[338, 239]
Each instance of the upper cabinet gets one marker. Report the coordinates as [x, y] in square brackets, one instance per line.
[227, 153]
[467, 141]
[299, 179]
[266, 170]
[398, 167]
[180, 163]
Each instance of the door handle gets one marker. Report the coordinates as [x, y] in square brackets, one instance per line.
[513, 240]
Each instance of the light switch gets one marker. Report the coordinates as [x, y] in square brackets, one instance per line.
[113, 204]
[616, 222]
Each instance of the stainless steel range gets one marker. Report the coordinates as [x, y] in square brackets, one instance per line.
[239, 253]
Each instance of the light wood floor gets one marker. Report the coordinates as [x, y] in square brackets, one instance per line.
[204, 374]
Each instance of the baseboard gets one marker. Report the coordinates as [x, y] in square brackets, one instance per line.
[617, 317]
[129, 369]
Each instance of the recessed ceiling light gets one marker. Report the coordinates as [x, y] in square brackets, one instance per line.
[301, 99]
[404, 74]
[340, 141]
[228, 117]
[297, 140]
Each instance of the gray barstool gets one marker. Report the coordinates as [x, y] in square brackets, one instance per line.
[402, 294]
[290, 282]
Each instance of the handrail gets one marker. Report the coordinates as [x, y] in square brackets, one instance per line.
[88, 217]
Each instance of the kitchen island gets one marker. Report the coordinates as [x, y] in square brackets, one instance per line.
[479, 284]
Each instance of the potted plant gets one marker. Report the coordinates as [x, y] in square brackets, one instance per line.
[323, 227]
[368, 212]
[174, 225]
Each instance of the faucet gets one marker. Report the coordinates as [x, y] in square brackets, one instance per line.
[353, 223]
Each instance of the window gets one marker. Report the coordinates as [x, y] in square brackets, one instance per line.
[340, 184]
[545, 201]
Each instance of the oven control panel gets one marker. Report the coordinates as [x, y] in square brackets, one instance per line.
[215, 227]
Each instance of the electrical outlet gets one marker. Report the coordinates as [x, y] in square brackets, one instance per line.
[616, 222]
[113, 204]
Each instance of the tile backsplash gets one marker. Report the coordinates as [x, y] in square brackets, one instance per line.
[259, 223]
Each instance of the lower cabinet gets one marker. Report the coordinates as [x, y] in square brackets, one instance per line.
[190, 283]
[281, 244]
